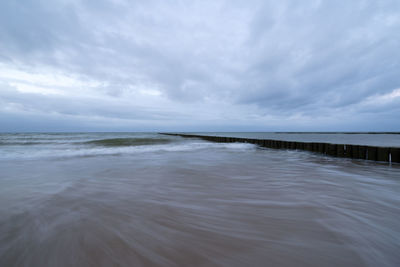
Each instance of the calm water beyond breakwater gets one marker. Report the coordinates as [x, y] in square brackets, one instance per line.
[143, 199]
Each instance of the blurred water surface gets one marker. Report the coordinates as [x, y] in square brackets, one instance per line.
[143, 199]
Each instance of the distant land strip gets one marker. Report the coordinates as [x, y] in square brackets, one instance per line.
[375, 153]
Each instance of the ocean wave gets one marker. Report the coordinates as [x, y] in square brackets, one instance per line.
[116, 142]
[22, 143]
[83, 150]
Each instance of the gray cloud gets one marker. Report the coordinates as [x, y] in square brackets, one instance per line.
[255, 65]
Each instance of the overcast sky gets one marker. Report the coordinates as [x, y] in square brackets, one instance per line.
[99, 65]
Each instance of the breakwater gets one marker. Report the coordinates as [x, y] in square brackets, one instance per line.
[375, 153]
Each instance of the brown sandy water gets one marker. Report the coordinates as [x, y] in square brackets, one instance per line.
[193, 203]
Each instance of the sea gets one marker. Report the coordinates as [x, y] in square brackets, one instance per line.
[147, 199]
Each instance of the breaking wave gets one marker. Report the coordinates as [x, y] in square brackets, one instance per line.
[117, 142]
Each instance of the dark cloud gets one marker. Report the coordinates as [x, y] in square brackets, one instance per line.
[259, 65]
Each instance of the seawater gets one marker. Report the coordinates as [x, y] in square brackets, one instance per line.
[368, 139]
[143, 199]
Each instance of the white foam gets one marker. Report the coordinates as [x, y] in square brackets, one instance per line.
[66, 150]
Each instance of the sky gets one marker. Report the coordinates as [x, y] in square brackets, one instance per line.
[116, 65]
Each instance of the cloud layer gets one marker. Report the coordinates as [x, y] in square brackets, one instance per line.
[199, 65]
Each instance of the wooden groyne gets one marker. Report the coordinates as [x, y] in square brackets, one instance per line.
[385, 154]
